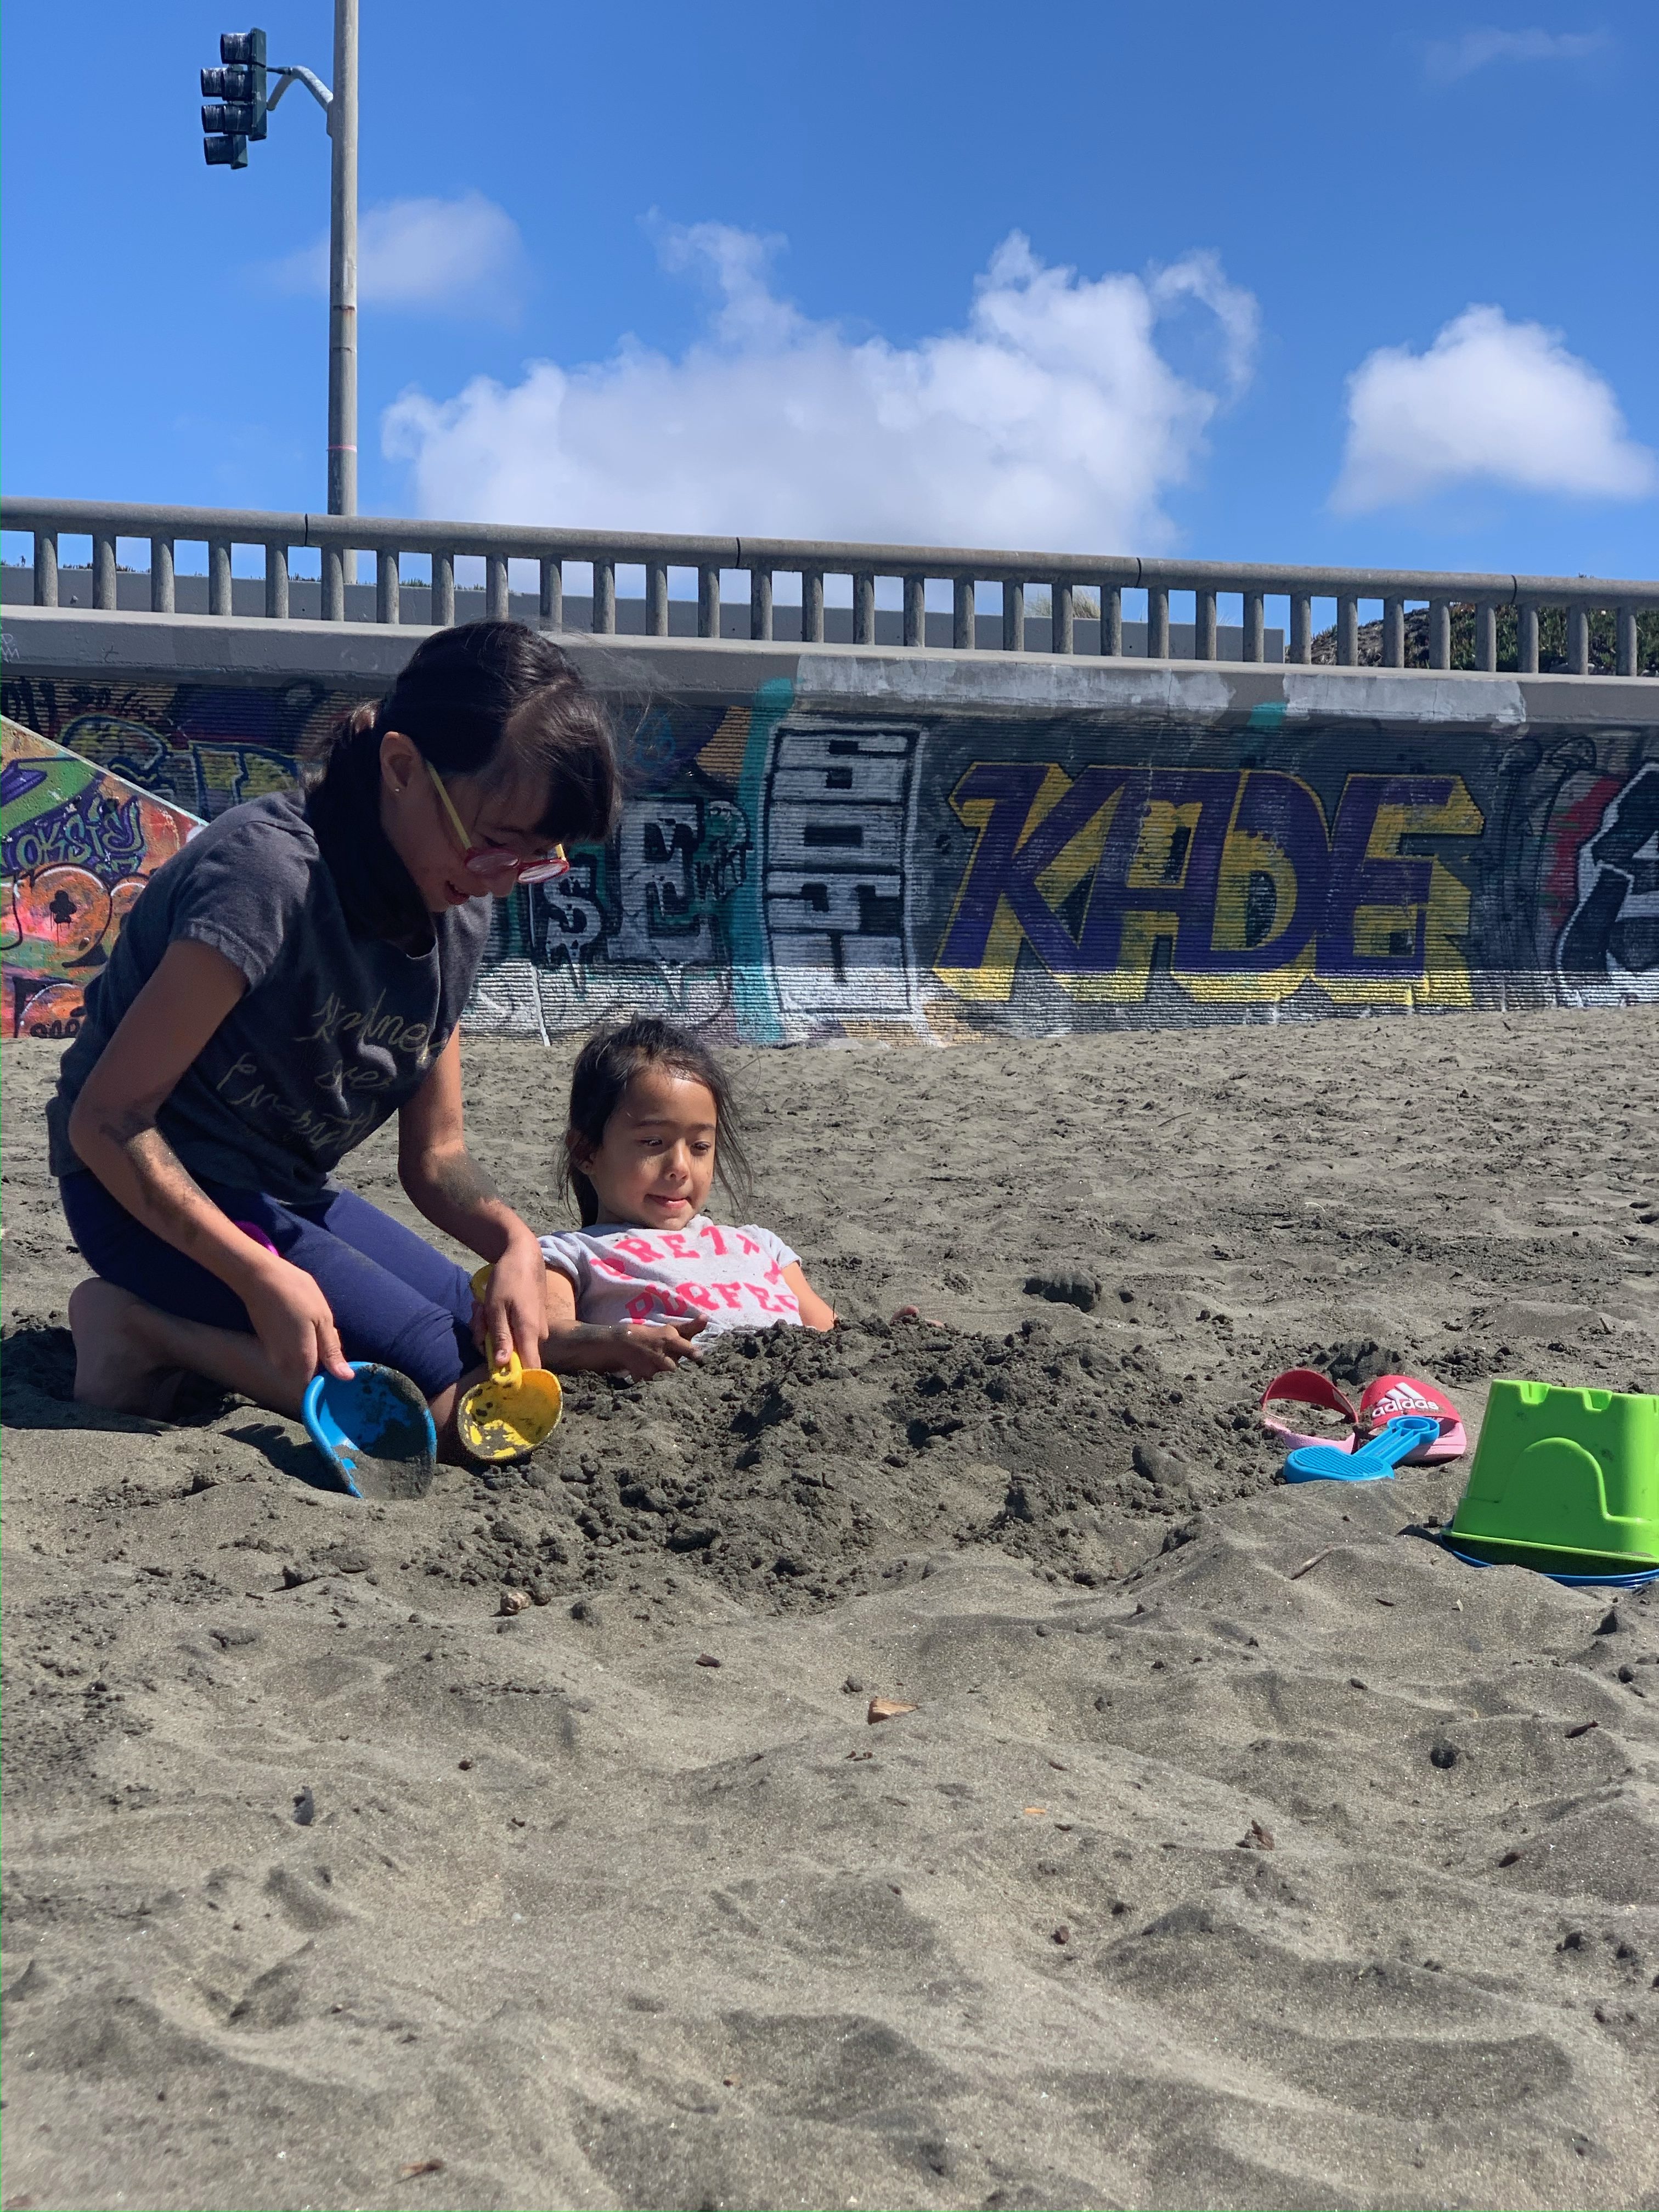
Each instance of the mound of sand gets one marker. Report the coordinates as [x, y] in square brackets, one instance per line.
[1239, 1846]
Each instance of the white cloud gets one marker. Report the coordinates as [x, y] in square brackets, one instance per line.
[1449, 59]
[1053, 420]
[459, 254]
[1492, 399]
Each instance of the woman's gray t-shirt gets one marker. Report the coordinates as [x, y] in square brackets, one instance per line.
[335, 1032]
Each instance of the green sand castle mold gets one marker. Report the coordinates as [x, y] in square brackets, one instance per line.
[1566, 1481]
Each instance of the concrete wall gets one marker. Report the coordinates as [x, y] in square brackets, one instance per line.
[857, 841]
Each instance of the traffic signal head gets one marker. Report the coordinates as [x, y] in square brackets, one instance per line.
[233, 99]
[248, 47]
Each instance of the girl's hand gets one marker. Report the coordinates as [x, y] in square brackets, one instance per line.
[513, 1308]
[293, 1324]
[643, 1349]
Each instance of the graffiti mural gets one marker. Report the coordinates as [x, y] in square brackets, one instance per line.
[1610, 944]
[1574, 869]
[663, 917]
[200, 746]
[1235, 874]
[76, 848]
[837, 834]
[760, 886]
[783, 873]
[796, 877]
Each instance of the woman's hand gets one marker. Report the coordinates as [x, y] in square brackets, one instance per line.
[514, 1314]
[293, 1324]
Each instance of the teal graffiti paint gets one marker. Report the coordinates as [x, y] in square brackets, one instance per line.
[754, 991]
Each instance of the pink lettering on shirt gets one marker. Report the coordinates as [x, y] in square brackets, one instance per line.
[725, 1277]
[642, 1307]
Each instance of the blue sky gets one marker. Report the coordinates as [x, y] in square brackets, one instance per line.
[1123, 279]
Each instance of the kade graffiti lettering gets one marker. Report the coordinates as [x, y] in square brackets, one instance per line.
[1238, 872]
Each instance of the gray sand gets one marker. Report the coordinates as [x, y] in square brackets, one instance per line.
[1192, 1879]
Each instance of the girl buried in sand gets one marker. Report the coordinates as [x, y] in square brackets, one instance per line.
[651, 1125]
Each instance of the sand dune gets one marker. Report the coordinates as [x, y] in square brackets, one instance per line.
[1191, 1879]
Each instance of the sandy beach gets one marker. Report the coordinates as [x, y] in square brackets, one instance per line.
[1241, 1848]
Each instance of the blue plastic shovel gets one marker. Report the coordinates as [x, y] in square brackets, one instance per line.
[1373, 1463]
[375, 1430]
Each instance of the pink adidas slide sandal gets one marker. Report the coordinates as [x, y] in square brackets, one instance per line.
[1306, 1386]
[1382, 1400]
[1391, 1395]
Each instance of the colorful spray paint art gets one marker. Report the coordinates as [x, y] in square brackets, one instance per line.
[783, 873]
[77, 846]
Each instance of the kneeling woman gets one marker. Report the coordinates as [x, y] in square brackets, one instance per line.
[288, 981]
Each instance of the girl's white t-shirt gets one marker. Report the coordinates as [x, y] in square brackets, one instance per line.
[732, 1277]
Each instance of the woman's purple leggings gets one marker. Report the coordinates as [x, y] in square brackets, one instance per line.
[394, 1299]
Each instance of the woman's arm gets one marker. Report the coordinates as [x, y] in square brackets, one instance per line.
[813, 1311]
[112, 1129]
[457, 1196]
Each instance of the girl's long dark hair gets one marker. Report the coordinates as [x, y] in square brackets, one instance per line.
[493, 700]
[605, 1068]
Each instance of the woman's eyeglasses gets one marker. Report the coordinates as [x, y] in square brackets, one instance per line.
[489, 863]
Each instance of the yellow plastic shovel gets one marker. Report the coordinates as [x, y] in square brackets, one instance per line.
[507, 1415]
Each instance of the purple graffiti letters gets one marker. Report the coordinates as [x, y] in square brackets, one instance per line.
[1394, 890]
[89, 831]
[1027, 817]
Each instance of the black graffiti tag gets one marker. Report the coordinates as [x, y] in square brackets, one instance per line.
[1615, 925]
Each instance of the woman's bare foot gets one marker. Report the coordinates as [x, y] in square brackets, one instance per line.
[119, 1363]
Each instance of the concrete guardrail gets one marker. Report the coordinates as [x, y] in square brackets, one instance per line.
[1097, 581]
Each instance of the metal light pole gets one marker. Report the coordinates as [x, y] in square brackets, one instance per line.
[237, 114]
[342, 269]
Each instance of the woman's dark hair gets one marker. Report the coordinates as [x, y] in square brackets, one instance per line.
[605, 1068]
[493, 700]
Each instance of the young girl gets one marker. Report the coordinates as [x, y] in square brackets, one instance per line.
[651, 1125]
